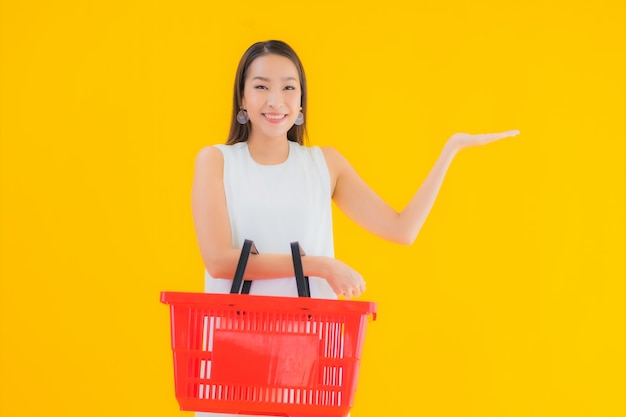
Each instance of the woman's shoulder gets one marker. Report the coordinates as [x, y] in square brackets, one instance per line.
[231, 148]
[329, 151]
[209, 163]
[208, 152]
[211, 152]
[332, 155]
[210, 155]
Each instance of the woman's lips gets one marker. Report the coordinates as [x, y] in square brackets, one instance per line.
[274, 118]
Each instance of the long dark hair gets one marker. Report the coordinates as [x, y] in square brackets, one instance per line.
[239, 132]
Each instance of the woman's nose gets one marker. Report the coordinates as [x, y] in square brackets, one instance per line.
[273, 99]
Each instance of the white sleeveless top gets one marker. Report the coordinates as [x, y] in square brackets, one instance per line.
[274, 205]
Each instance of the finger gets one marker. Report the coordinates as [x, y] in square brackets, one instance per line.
[506, 134]
[340, 292]
[492, 137]
[360, 290]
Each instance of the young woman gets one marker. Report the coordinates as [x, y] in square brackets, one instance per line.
[266, 186]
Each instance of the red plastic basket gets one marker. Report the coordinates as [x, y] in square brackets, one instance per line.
[282, 356]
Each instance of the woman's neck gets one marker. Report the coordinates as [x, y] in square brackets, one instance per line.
[269, 151]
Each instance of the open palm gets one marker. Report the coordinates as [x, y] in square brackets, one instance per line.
[466, 140]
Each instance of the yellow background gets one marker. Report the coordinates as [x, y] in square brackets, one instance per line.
[510, 303]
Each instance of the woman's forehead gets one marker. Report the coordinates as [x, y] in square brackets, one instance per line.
[273, 67]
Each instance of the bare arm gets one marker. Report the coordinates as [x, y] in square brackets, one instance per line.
[353, 196]
[212, 226]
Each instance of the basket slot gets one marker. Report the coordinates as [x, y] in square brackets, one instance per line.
[332, 375]
[208, 325]
[270, 394]
[245, 321]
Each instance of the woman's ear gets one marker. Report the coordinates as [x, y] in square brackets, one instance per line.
[243, 103]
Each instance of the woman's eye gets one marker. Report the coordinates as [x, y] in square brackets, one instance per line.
[260, 87]
[290, 87]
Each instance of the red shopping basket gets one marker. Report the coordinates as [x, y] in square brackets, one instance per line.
[283, 356]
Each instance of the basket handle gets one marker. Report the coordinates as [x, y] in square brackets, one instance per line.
[302, 282]
[248, 247]
[304, 290]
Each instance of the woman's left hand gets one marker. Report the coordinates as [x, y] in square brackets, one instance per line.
[465, 140]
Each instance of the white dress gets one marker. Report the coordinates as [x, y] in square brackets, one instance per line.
[274, 205]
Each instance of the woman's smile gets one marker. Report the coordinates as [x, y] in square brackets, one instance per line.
[274, 117]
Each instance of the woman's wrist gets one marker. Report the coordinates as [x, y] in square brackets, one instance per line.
[452, 146]
[317, 266]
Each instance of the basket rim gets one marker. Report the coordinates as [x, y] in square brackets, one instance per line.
[265, 302]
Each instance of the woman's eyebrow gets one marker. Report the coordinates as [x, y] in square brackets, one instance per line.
[265, 79]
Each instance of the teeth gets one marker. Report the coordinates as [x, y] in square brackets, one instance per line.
[274, 117]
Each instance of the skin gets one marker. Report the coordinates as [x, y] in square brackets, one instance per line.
[272, 99]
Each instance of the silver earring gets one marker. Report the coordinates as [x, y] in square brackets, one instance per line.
[242, 117]
[300, 119]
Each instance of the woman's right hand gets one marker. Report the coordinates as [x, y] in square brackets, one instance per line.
[345, 281]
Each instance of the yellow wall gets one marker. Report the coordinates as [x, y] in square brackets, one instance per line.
[511, 302]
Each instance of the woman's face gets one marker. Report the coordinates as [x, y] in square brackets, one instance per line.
[272, 95]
